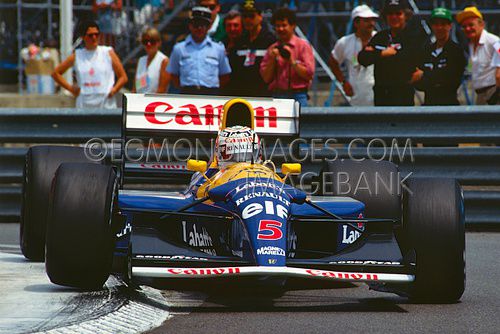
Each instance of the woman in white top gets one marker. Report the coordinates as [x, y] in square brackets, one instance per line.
[151, 75]
[95, 67]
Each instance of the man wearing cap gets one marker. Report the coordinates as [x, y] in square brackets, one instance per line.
[198, 64]
[442, 63]
[248, 54]
[360, 83]
[394, 52]
[481, 51]
[216, 28]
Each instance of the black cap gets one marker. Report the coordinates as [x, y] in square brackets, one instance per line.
[390, 5]
[249, 7]
[201, 14]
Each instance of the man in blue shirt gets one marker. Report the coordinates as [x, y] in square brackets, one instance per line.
[199, 65]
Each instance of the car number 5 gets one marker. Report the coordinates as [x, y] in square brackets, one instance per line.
[271, 228]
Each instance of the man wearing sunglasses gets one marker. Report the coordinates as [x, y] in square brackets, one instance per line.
[481, 52]
[95, 67]
[248, 53]
[198, 65]
[216, 28]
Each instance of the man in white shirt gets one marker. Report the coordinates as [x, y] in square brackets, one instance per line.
[481, 50]
[359, 85]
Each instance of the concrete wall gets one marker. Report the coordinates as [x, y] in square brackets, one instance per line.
[13, 100]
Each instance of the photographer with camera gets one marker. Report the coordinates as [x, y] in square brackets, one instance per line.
[288, 65]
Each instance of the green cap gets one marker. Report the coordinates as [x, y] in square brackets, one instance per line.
[441, 13]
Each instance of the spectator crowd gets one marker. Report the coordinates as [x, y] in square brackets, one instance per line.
[239, 55]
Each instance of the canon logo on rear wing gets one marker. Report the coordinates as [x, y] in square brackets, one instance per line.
[204, 113]
[208, 115]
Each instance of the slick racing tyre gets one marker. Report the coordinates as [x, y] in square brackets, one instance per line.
[434, 226]
[80, 242]
[375, 183]
[40, 166]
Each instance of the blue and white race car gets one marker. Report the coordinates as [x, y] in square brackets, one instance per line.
[238, 215]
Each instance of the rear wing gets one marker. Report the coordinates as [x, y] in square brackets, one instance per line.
[168, 115]
[193, 120]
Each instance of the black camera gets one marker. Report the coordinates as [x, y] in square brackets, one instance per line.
[283, 52]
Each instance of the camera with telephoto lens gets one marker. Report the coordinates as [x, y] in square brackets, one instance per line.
[283, 52]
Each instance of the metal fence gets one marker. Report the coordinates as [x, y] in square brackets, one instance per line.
[424, 141]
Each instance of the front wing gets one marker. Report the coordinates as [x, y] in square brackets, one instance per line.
[165, 272]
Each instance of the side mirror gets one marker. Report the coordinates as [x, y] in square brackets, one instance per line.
[291, 169]
[197, 166]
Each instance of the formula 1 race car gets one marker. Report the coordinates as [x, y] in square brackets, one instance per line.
[239, 216]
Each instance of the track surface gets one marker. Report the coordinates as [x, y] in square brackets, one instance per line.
[29, 302]
[348, 308]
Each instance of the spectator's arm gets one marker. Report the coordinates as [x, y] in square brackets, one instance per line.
[175, 80]
[335, 67]
[122, 78]
[495, 62]
[134, 88]
[497, 76]
[60, 70]
[268, 64]
[224, 67]
[224, 80]
[420, 78]
[369, 55]
[173, 69]
[304, 69]
[164, 77]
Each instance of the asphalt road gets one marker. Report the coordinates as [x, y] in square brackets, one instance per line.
[351, 309]
[334, 309]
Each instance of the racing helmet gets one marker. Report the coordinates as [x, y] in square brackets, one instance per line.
[237, 144]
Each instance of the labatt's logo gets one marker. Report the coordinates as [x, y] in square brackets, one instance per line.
[197, 238]
[349, 238]
[190, 114]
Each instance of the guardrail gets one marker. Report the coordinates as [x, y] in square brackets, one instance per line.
[477, 168]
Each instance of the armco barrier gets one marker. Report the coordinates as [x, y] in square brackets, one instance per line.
[438, 125]
[477, 168]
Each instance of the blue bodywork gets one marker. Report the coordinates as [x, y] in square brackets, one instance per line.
[264, 206]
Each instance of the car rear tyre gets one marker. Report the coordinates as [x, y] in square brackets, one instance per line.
[375, 183]
[80, 241]
[434, 224]
[40, 166]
